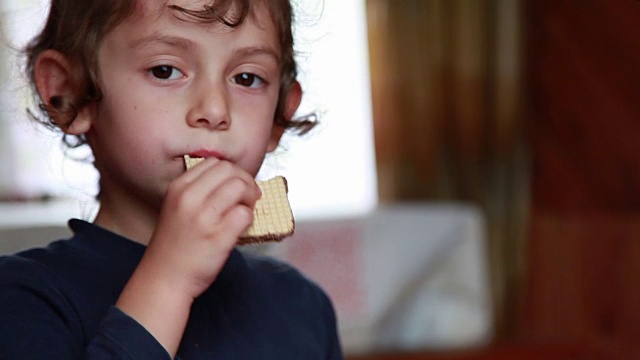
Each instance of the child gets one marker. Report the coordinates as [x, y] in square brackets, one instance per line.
[157, 275]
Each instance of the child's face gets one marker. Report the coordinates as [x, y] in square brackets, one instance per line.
[173, 87]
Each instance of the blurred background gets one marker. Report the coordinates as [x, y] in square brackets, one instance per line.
[528, 109]
[474, 185]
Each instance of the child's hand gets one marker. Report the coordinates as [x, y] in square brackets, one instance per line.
[205, 211]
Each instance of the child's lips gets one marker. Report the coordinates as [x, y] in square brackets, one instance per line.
[207, 154]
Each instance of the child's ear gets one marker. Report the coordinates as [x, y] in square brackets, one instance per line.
[56, 86]
[294, 97]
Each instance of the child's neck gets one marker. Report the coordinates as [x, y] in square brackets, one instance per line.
[130, 221]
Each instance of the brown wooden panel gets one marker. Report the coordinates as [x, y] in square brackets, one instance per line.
[583, 285]
[584, 261]
[583, 66]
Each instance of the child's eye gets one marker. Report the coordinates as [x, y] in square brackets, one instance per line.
[165, 72]
[248, 80]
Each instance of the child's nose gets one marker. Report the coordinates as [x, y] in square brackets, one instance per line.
[210, 110]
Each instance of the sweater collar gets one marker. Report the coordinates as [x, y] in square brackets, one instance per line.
[124, 250]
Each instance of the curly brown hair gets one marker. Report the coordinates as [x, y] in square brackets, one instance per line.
[75, 28]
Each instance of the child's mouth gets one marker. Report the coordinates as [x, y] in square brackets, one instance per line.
[206, 154]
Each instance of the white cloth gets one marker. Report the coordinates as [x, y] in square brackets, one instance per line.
[405, 277]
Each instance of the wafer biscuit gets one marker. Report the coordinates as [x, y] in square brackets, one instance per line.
[272, 215]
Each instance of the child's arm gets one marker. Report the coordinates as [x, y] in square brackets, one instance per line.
[42, 316]
[204, 213]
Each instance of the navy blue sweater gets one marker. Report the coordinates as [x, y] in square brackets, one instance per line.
[57, 303]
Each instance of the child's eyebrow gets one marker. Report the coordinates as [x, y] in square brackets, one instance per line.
[174, 41]
[257, 51]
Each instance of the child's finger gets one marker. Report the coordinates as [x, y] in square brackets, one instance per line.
[234, 191]
[206, 178]
[210, 173]
[238, 218]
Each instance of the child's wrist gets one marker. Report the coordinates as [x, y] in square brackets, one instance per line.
[156, 305]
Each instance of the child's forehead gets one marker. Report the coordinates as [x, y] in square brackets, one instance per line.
[147, 7]
[258, 11]
[150, 6]
[166, 16]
